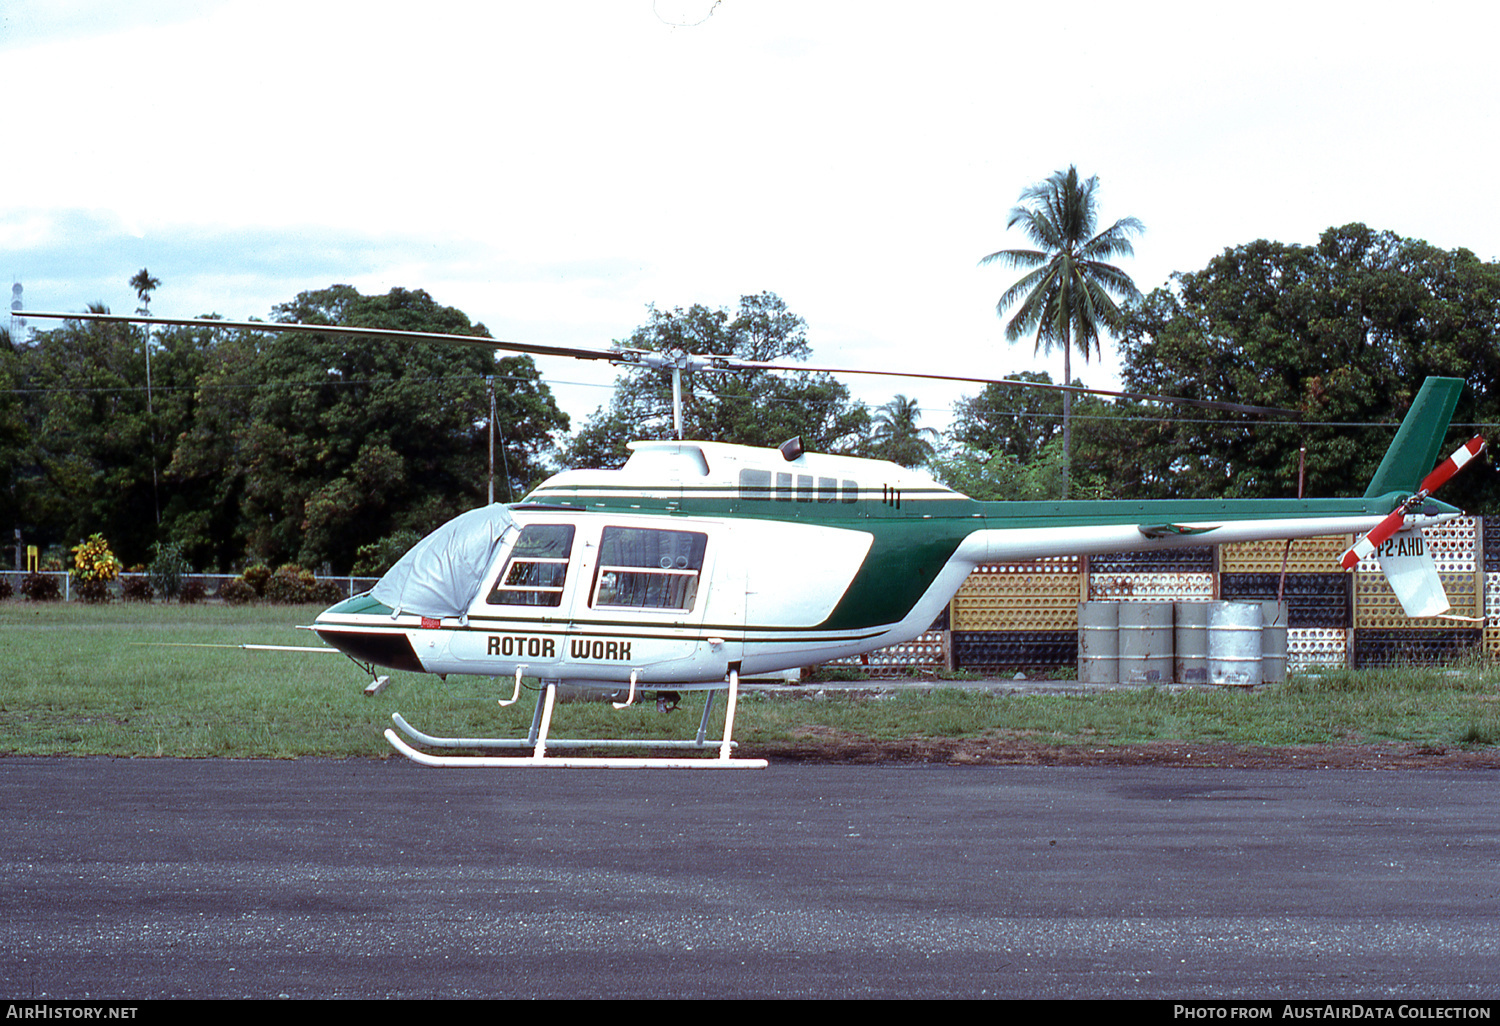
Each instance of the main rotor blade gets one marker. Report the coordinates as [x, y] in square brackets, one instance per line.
[276, 327]
[1206, 404]
[633, 356]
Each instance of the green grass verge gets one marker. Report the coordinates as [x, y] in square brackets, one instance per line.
[143, 681]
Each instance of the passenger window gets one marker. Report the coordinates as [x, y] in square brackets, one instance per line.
[851, 491]
[828, 489]
[755, 484]
[783, 487]
[537, 569]
[642, 568]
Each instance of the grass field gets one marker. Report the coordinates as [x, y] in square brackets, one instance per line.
[147, 681]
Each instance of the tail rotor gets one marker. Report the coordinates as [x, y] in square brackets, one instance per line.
[1383, 531]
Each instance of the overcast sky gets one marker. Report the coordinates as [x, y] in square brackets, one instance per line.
[553, 168]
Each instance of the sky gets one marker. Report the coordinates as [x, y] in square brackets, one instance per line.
[553, 170]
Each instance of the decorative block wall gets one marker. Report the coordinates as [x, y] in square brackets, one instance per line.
[1024, 616]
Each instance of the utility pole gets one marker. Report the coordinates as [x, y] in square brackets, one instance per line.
[17, 329]
[504, 460]
[143, 283]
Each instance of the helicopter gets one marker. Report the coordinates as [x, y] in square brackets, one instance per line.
[699, 563]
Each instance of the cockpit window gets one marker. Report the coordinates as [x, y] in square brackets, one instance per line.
[537, 568]
[642, 568]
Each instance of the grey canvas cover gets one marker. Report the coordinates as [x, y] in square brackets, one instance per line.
[443, 572]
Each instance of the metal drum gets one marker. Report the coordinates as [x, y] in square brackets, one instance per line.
[1234, 644]
[1146, 642]
[1273, 635]
[1190, 643]
[1098, 642]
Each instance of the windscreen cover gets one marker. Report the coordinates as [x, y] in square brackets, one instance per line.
[443, 572]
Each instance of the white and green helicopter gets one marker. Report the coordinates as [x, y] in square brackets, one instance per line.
[698, 563]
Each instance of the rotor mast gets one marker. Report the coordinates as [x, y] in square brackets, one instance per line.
[676, 361]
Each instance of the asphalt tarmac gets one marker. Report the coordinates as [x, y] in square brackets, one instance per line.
[139, 879]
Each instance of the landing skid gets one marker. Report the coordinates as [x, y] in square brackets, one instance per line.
[539, 742]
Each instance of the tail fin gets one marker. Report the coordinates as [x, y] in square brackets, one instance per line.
[1419, 442]
[1402, 550]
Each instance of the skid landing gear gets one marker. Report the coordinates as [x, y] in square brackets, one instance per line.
[538, 742]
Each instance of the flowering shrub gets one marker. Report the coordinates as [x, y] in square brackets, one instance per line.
[257, 576]
[94, 566]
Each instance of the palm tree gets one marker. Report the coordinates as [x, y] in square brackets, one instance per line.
[1066, 296]
[897, 437]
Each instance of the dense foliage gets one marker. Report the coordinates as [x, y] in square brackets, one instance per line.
[94, 566]
[1007, 443]
[747, 407]
[1066, 298]
[274, 447]
[1342, 332]
[339, 452]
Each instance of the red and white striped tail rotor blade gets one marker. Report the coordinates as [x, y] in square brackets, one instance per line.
[1452, 465]
[1367, 545]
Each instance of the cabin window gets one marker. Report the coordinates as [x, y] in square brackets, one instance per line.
[537, 568]
[851, 492]
[828, 489]
[804, 488]
[783, 487]
[755, 484]
[642, 568]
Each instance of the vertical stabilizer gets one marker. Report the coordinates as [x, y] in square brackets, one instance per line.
[1419, 441]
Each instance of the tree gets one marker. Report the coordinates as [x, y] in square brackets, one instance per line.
[896, 436]
[99, 421]
[1010, 419]
[87, 463]
[1006, 442]
[999, 476]
[202, 514]
[1342, 332]
[14, 437]
[1066, 296]
[144, 284]
[749, 407]
[345, 441]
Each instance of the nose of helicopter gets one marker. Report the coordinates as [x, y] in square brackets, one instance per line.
[365, 631]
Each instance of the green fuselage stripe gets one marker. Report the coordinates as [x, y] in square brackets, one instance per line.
[912, 542]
